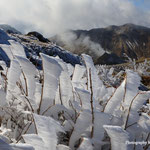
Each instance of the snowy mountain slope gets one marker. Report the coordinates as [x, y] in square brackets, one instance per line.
[7, 28]
[4, 37]
[15, 44]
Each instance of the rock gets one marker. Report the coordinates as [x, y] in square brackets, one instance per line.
[4, 37]
[109, 59]
[38, 36]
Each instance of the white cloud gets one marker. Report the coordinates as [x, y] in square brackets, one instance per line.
[54, 16]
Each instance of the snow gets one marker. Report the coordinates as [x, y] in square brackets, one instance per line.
[132, 86]
[2, 98]
[78, 73]
[144, 122]
[29, 71]
[5, 146]
[47, 129]
[62, 147]
[69, 105]
[136, 42]
[82, 123]
[100, 119]
[17, 48]
[86, 144]
[119, 137]
[64, 92]
[13, 76]
[7, 49]
[35, 140]
[135, 107]
[85, 98]
[52, 71]
[115, 101]
[99, 89]
[62, 107]
[124, 93]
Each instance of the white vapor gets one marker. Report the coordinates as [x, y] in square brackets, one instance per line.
[54, 16]
[80, 45]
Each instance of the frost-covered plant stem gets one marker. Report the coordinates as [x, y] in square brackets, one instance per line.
[125, 88]
[24, 132]
[29, 104]
[25, 80]
[36, 131]
[60, 93]
[92, 108]
[24, 93]
[5, 88]
[47, 109]
[147, 145]
[109, 100]
[19, 84]
[75, 112]
[126, 123]
[42, 90]
[21, 133]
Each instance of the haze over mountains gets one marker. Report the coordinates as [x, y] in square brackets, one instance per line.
[111, 45]
[116, 43]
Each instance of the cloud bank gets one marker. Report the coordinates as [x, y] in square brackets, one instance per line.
[54, 16]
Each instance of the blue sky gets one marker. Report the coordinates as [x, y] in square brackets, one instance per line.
[142, 4]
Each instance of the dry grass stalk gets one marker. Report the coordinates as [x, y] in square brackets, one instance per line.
[61, 102]
[25, 79]
[42, 90]
[92, 107]
[47, 109]
[126, 123]
[109, 100]
[147, 140]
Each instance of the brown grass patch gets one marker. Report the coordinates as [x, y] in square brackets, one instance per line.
[146, 80]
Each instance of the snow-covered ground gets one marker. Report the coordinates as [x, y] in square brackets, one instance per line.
[68, 107]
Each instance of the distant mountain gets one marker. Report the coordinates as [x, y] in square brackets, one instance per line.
[120, 42]
[9, 29]
[111, 45]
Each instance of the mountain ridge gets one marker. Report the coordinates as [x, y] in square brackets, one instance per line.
[128, 39]
[33, 45]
